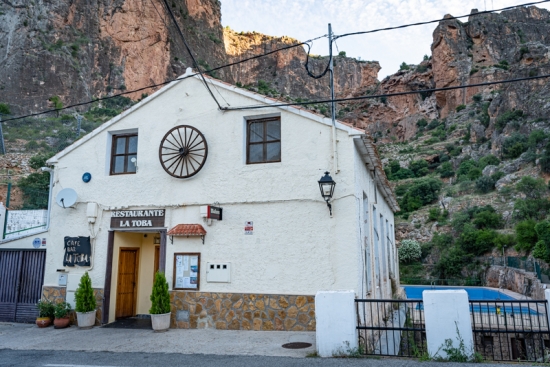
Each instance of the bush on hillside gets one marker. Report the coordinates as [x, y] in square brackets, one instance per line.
[514, 146]
[409, 251]
[420, 193]
[526, 235]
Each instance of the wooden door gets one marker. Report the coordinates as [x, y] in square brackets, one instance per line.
[127, 282]
[157, 259]
[21, 279]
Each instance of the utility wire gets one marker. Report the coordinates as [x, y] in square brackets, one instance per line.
[190, 52]
[439, 20]
[166, 82]
[254, 107]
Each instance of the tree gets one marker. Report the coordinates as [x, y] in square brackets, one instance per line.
[409, 251]
[419, 168]
[420, 193]
[404, 66]
[485, 184]
[446, 170]
[533, 188]
[514, 146]
[84, 295]
[526, 235]
[542, 247]
[160, 298]
[36, 186]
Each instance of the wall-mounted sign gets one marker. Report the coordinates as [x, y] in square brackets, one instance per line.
[77, 251]
[36, 243]
[187, 271]
[215, 212]
[248, 227]
[152, 218]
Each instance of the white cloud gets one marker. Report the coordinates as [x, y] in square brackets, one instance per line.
[307, 19]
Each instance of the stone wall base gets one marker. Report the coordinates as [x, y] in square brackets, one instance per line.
[58, 295]
[242, 311]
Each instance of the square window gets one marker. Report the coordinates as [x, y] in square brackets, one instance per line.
[124, 154]
[263, 144]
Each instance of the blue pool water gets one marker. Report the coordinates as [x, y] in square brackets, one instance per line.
[474, 293]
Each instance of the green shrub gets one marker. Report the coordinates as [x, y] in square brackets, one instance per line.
[451, 263]
[536, 137]
[476, 242]
[419, 168]
[409, 251]
[506, 117]
[487, 219]
[420, 193]
[542, 247]
[474, 173]
[446, 170]
[422, 123]
[160, 298]
[488, 160]
[536, 209]
[505, 240]
[45, 308]
[62, 310]
[84, 295]
[433, 124]
[342, 53]
[526, 235]
[460, 107]
[404, 66]
[485, 184]
[514, 146]
[477, 98]
[533, 188]
[4, 109]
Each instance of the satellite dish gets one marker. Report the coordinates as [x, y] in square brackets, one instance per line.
[66, 198]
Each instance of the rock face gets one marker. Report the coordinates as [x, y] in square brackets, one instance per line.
[285, 71]
[515, 280]
[82, 49]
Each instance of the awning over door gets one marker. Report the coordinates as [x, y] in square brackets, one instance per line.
[186, 230]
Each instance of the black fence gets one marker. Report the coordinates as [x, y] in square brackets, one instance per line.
[511, 330]
[391, 327]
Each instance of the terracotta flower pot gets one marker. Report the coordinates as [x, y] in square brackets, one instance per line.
[86, 320]
[161, 322]
[61, 323]
[43, 322]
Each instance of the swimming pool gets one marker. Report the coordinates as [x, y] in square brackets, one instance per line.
[474, 293]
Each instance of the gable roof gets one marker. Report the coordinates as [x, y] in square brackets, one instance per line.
[368, 149]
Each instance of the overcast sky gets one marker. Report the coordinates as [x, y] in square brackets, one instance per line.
[306, 19]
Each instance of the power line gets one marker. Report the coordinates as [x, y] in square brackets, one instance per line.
[190, 52]
[387, 95]
[166, 82]
[439, 20]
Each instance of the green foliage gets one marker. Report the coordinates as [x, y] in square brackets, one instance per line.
[460, 107]
[404, 66]
[506, 117]
[84, 295]
[435, 214]
[503, 64]
[505, 240]
[485, 184]
[451, 263]
[488, 160]
[421, 68]
[533, 188]
[420, 193]
[536, 137]
[487, 218]
[476, 242]
[342, 53]
[422, 123]
[514, 146]
[453, 150]
[36, 186]
[45, 308]
[446, 170]
[56, 102]
[544, 161]
[433, 124]
[468, 169]
[477, 98]
[5, 109]
[542, 247]
[419, 168]
[160, 298]
[484, 118]
[536, 209]
[474, 173]
[265, 88]
[409, 251]
[62, 310]
[526, 235]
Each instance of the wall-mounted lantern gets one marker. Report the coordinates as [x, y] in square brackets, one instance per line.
[327, 184]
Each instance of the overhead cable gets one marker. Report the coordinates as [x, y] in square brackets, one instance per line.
[439, 20]
[350, 99]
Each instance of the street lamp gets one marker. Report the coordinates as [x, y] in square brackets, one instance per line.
[326, 185]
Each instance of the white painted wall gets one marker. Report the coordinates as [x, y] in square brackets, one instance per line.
[296, 247]
[336, 321]
[447, 314]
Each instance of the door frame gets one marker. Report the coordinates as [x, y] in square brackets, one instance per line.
[136, 277]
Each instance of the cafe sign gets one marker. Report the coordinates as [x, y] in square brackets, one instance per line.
[151, 218]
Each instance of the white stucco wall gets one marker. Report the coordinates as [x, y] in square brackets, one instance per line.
[296, 247]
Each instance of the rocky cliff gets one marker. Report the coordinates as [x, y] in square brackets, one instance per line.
[81, 49]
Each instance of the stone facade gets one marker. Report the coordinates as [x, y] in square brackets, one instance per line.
[240, 311]
[58, 294]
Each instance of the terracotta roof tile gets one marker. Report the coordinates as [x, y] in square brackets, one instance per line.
[187, 230]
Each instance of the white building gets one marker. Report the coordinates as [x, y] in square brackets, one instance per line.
[260, 266]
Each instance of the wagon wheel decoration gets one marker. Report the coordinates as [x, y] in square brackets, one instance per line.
[183, 151]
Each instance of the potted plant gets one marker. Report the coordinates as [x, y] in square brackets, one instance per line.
[85, 303]
[160, 303]
[45, 313]
[61, 313]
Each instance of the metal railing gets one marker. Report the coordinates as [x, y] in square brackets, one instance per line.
[511, 330]
[391, 327]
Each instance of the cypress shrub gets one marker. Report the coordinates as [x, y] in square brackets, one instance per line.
[84, 295]
[160, 298]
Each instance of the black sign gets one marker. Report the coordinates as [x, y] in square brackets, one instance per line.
[153, 218]
[215, 212]
[77, 251]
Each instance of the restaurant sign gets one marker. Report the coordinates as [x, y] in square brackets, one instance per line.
[150, 218]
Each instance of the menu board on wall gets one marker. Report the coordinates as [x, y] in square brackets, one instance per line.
[187, 270]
